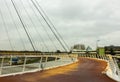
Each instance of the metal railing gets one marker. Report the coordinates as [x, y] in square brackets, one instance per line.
[18, 64]
[110, 59]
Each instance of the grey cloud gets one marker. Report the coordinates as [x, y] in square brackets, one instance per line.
[76, 20]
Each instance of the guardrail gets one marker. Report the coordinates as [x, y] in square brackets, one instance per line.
[113, 70]
[19, 64]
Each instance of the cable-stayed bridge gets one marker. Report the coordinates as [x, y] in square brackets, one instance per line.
[89, 68]
[29, 41]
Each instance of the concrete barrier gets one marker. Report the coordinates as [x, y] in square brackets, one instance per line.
[109, 73]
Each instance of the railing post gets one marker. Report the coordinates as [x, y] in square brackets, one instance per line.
[10, 60]
[116, 65]
[24, 63]
[111, 64]
[2, 61]
[46, 60]
[56, 58]
[41, 65]
[96, 55]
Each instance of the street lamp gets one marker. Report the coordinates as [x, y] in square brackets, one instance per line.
[97, 44]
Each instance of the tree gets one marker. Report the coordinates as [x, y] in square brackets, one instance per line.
[112, 51]
[58, 51]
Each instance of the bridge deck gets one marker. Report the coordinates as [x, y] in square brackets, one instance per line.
[86, 70]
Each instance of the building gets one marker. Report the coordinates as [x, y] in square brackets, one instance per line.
[78, 48]
[88, 48]
[112, 50]
[101, 50]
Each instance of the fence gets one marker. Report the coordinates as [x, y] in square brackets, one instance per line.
[18, 64]
[113, 70]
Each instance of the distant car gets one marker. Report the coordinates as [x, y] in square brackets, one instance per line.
[14, 61]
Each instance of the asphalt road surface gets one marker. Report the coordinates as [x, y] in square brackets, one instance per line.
[86, 70]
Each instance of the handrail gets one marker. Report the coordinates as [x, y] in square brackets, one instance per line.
[17, 64]
[111, 62]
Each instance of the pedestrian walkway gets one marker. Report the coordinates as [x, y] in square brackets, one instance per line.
[86, 70]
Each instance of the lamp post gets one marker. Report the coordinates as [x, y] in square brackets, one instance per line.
[97, 45]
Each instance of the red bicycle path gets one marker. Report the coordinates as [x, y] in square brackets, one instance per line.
[85, 70]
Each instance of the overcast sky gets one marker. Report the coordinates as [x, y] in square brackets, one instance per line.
[78, 21]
